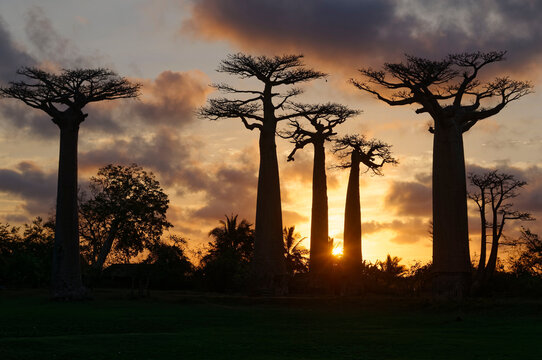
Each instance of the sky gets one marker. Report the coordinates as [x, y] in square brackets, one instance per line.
[209, 168]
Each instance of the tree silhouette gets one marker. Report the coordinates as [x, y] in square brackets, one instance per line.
[374, 154]
[296, 262]
[63, 97]
[494, 189]
[443, 88]
[225, 266]
[262, 110]
[125, 214]
[322, 119]
[530, 259]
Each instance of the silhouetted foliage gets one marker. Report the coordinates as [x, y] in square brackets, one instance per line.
[263, 110]
[296, 254]
[25, 254]
[529, 260]
[226, 265]
[449, 91]
[171, 268]
[63, 97]
[124, 215]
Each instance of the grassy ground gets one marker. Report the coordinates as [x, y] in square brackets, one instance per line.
[192, 326]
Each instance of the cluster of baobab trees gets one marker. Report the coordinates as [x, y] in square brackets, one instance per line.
[448, 90]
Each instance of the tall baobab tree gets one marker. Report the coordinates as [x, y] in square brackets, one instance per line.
[449, 91]
[374, 154]
[63, 96]
[263, 109]
[494, 189]
[322, 119]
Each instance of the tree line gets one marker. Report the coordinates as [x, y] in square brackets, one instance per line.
[448, 90]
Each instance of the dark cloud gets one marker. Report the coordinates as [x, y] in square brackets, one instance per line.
[30, 183]
[408, 198]
[231, 189]
[21, 119]
[163, 152]
[349, 34]
[12, 56]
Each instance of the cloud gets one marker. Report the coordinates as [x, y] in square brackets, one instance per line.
[13, 56]
[409, 198]
[347, 34]
[230, 189]
[407, 231]
[293, 218]
[163, 152]
[30, 183]
[21, 119]
[172, 97]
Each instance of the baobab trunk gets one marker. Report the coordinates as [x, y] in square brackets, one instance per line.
[451, 258]
[66, 277]
[352, 221]
[319, 254]
[269, 267]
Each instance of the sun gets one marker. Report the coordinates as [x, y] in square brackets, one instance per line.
[337, 251]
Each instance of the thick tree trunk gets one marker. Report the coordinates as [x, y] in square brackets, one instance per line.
[352, 221]
[269, 266]
[319, 252]
[66, 277]
[451, 258]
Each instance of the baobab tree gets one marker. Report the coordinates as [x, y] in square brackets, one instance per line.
[449, 91]
[63, 96]
[374, 154]
[263, 109]
[322, 119]
[494, 189]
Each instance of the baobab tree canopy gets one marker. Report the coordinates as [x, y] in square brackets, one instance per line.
[262, 109]
[449, 91]
[73, 89]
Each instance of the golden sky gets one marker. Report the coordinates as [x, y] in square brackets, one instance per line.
[209, 169]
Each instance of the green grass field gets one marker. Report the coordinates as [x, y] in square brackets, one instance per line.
[191, 326]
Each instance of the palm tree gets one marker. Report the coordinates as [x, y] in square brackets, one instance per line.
[295, 253]
[227, 262]
[231, 236]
